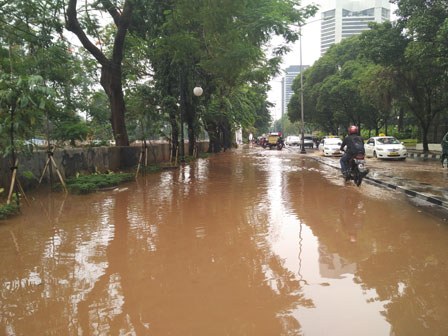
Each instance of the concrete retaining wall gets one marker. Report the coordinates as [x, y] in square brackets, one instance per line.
[431, 147]
[84, 160]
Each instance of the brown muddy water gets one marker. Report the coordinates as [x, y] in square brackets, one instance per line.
[249, 242]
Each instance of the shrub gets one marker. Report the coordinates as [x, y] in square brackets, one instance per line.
[153, 168]
[28, 175]
[84, 184]
[8, 210]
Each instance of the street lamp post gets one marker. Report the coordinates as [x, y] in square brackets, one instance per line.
[197, 91]
[301, 82]
[301, 94]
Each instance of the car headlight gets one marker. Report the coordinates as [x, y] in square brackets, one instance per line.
[380, 149]
[326, 148]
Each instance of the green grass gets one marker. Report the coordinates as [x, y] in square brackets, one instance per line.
[409, 142]
[85, 184]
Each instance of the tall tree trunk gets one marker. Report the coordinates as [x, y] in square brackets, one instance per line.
[226, 134]
[174, 134]
[213, 133]
[191, 139]
[111, 82]
[111, 75]
[400, 120]
[191, 123]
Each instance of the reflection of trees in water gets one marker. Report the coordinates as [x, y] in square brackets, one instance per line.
[184, 257]
[208, 271]
[410, 271]
[399, 253]
[53, 267]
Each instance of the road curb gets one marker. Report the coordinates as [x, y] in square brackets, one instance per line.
[424, 156]
[433, 200]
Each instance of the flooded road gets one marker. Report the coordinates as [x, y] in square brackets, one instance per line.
[249, 242]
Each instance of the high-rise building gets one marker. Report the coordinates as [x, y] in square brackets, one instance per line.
[291, 72]
[345, 18]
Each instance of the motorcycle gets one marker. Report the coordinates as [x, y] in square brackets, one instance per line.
[357, 169]
[444, 156]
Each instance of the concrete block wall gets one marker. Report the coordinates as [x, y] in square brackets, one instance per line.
[431, 147]
[85, 161]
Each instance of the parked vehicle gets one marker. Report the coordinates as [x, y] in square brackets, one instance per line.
[385, 147]
[331, 146]
[357, 169]
[444, 156]
[308, 141]
[293, 140]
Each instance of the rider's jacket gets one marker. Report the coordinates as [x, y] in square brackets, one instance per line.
[354, 143]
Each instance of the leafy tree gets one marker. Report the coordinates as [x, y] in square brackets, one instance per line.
[378, 89]
[111, 67]
[22, 103]
[285, 126]
[411, 47]
[98, 112]
[331, 89]
[219, 45]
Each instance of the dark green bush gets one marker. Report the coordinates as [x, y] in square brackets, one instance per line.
[84, 184]
[8, 210]
[153, 168]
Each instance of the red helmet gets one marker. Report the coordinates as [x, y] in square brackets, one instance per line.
[353, 130]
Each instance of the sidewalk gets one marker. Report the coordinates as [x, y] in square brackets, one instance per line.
[426, 192]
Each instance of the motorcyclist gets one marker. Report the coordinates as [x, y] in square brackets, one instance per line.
[444, 156]
[355, 145]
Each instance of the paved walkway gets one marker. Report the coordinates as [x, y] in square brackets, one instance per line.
[424, 191]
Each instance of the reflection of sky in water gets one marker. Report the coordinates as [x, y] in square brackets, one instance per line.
[88, 267]
[295, 243]
[165, 191]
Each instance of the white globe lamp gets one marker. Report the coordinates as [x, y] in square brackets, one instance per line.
[198, 91]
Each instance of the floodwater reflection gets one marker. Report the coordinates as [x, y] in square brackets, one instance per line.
[252, 242]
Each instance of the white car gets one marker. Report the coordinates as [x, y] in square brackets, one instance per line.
[331, 147]
[292, 140]
[385, 147]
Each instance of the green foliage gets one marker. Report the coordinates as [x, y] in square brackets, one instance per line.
[28, 175]
[8, 210]
[22, 103]
[219, 45]
[71, 131]
[84, 184]
[415, 52]
[98, 111]
[332, 96]
[203, 155]
[153, 168]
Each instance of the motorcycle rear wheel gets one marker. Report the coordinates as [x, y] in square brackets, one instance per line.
[357, 178]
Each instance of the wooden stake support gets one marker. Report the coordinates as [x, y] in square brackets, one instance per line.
[50, 160]
[22, 192]
[13, 181]
[143, 152]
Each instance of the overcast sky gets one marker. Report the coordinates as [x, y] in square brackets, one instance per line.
[310, 53]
